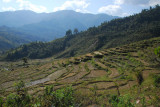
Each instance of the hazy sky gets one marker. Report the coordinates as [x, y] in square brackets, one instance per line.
[111, 7]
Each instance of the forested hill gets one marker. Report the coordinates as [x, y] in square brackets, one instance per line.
[11, 39]
[144, 25]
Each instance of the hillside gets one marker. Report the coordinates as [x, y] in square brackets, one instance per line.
[127, 76]
[117, 32]
[51, 25]
[11, 39]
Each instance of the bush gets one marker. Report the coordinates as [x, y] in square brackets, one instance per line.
[1, 101]
[122, 101]
[14, 100]
[157, 51]
[60, 98]
[156, 80]
[63, 97]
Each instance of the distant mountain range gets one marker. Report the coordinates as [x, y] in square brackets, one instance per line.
[50, 25]
[117, 32]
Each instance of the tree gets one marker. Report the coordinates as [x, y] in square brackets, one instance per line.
[75, 31]
[25, 61]
[157, 51]
[69, 32]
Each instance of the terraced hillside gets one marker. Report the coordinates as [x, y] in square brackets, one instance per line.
[95, 77]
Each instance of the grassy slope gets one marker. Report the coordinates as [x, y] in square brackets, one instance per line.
[91, 73]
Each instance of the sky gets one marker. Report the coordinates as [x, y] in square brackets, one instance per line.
[120, 8]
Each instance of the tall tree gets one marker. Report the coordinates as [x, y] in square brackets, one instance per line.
[69, 32]
[75, 31]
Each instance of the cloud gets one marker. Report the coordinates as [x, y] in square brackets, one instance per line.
[138, 2]
[154, 2]
[8, 9]
[114, 10]
[6, 1]
[77, 5]
[27, 5]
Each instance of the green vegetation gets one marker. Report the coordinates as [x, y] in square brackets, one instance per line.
[124, 76]
[130, 80]
[157, 51]
[117, 32]
[121, 101]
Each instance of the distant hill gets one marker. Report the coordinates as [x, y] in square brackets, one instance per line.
[11, 39]
[51, 25]
[117, 32]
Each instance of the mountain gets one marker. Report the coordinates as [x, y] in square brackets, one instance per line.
[20, 18]
[51, 25]
[11, 39]
[117, 32]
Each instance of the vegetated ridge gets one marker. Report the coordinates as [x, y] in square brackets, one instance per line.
[117, 32]
[10, 38]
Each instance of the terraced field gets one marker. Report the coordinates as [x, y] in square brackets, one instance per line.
[93, 76]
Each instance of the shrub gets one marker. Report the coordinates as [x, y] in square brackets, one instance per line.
[121, 101]
[1, 101]
[48, 90]
[63, 97]
[157, 51]
[12, 100]
[156, 80]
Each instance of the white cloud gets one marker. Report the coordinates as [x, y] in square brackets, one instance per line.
[77, 5]
[27, 5]
[118, 2]
[114, 10]
[138, 2]
[8, 9]
[154, 2]
[6, 1]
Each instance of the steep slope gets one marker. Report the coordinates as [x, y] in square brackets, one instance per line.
[109, 34]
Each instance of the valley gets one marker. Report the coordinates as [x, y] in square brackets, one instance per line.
[114, 64]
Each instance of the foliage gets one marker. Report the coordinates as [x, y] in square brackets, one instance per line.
[15, 100]
[63, 97]
[157, 51]
[156, 79]
[48, 90]
[121, 101]
[11, 39]
[21, 98]
[142, 26]
[1, 101]
[19, 86]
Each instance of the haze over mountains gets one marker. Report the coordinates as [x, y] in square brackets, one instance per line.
[48, 26]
